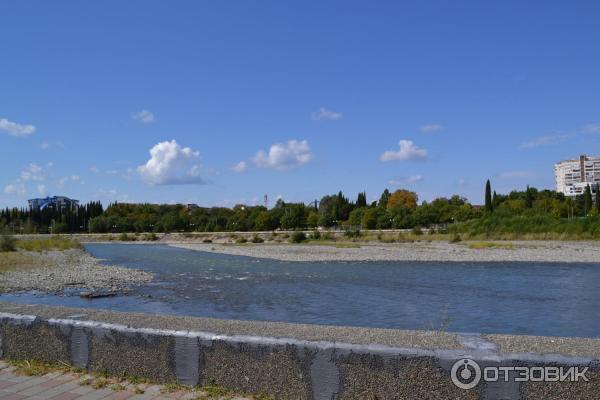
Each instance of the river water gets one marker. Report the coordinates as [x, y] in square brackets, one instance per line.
[515, 298]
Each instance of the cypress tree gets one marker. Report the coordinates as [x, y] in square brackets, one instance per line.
[361, 201]
[528, 198]
[488, 197]
[598, 199]
[587, 200]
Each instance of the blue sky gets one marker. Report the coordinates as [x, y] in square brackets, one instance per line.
[238, 99]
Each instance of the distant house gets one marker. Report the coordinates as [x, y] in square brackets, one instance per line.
[56, 202]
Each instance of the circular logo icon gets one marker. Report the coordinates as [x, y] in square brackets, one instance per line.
[466, 373]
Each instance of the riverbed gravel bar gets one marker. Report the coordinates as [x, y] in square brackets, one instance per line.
[70, 269]
[521, 251]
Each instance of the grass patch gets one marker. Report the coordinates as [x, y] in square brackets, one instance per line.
[18, 260]
[47, 244]
[7, 243]
[214, 391]
[174, 387]
[37, 368]
[490, 245]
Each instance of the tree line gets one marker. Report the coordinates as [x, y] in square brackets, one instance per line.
[399, 209]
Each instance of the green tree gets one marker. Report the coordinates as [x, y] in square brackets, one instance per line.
[587, 200]
[263, 221]
[489, 207]
[383, 200]
[361, 200]
[313, 219]
[598, 199]
[528, 197]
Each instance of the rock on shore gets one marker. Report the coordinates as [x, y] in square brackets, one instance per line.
[72, 268]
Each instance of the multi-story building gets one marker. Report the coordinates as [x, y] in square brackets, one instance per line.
[572, 176]
[57, 202]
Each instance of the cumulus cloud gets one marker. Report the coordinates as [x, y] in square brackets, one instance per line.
[17, 188]
[408, 151]
[284, 156]
[430, 128]
[325, 115]
[33, 173]
[242, 166]
[144, 116]
[14, 129]
[171, 164]
[407, 180]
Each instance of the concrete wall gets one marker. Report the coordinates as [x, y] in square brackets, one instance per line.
[284, 368]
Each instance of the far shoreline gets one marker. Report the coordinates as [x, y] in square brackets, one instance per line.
[423, 251]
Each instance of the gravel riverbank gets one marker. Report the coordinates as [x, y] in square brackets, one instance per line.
[74, 268]
[526, 251]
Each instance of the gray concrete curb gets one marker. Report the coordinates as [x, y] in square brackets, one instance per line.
[282, 367]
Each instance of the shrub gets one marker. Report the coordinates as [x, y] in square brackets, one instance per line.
[151, 237]
[8, 243]
[298, 237]
[386, 238]
[327, 236]
[417, 230]
[123, 237]
[257, 239]
[207, 240]
[455, 238]
[352, 233]
[241, 240]
[432, 231]
[315, 235]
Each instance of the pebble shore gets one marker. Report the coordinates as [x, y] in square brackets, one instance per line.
[70, 269]
[525, 251]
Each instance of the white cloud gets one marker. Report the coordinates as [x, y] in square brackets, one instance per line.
[284, 156]
[430, 128]
[406, 180]
[73, 178]
[545, 141]
[408, 151]
[325, 114]
[18, 189]
[242, 166]
[95, 170]
[515, 174]
[592, 128]
[42, 189]
[15, 129]
[144, 116]
[44, 146]
[171, 164]
[33, 173]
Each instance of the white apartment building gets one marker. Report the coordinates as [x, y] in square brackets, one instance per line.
[572, 176]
